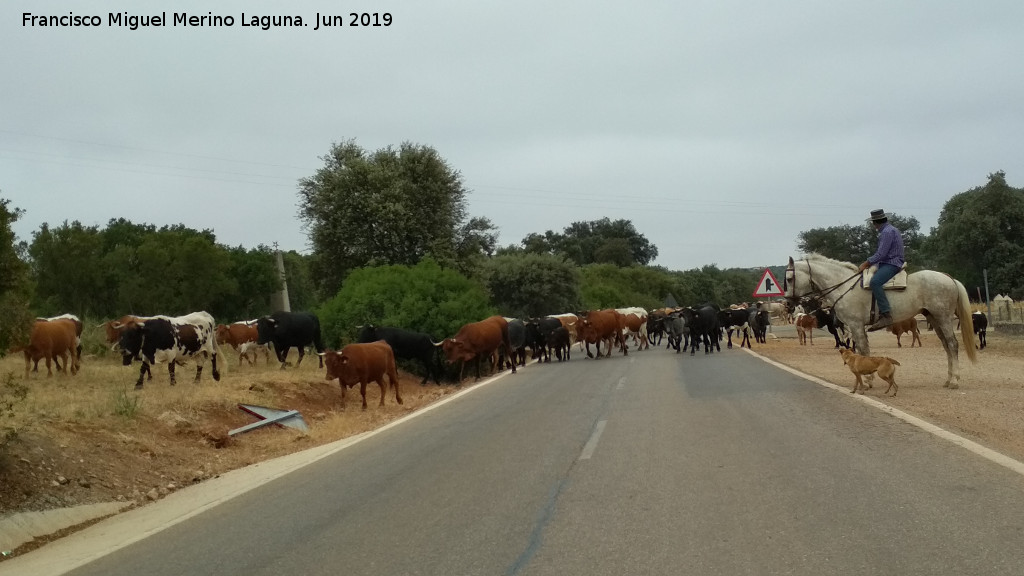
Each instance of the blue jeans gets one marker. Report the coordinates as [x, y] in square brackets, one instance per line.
[884, 273]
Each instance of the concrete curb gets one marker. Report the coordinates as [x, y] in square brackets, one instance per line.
[24, 527]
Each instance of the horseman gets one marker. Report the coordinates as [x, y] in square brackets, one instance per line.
[890, 259]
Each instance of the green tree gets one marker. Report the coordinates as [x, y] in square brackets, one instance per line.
[68, 271]
[983, 229]
[378, 208]
[611, 286]
[15, 318]
[530, 285]
[597, 241]
[855, 243]
[424, 298]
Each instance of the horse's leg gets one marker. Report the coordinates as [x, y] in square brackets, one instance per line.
[944, 330]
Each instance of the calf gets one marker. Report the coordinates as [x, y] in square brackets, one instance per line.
[906, 326]
[406, 345]
[558, 340]
[980, 322]
[362, 363]
[173, 340]
[242, 336]
[805, 325]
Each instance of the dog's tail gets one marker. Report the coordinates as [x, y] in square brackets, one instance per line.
[893, 361]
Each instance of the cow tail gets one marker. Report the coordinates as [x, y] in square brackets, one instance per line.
[963, 312]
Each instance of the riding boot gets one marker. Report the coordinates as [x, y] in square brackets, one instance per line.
[884, 321]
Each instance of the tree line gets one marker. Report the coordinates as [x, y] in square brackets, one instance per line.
[392, 243]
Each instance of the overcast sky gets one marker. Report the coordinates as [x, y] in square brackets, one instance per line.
[721, 129]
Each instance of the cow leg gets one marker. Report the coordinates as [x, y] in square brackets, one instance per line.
[199, 372]
[362, 390]
[302, 353]
[143, 370]
[282, 356]
[213, 367]
[170, 371]
[383, 390]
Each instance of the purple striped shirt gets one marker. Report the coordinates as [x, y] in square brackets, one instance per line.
[890, 247]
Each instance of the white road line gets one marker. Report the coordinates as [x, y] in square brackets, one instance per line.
[588, 450]
[987, 453]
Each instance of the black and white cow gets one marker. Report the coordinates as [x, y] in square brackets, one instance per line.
[980, 322]
[736, 319]
[173, 340]
[407, 345]
[287, 329]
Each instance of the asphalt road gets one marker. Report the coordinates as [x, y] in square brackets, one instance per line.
[654, 463]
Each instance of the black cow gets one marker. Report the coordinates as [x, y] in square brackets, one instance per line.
[980, 322]
[759, 320]
[558, 340]
[517, 339]
[172, 340]
[655, 327]
[703, 323]
[407, 345]
[827, 319]
[538, 331]
[287, 329]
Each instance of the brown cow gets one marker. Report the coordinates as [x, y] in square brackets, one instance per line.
[599, 326]
[805, 325]
[360, 364]
[50, 340]
[242, 337]
[478, 340]
[906, 326]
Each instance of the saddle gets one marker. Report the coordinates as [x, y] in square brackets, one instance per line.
[898, 282]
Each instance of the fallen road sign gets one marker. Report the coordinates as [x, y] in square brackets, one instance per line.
[289, 418]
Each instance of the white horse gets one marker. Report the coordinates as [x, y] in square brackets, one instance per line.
[938, 296]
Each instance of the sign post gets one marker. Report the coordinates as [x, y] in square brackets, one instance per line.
[768, 286]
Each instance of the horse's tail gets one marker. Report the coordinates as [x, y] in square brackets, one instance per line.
[963, 312]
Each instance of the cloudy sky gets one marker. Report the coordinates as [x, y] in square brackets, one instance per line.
[721, 129]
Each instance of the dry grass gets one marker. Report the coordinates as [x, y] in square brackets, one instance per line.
[95, 428]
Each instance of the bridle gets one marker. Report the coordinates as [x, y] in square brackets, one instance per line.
[816, 294]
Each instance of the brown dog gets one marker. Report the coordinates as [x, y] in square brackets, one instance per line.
[861, 365]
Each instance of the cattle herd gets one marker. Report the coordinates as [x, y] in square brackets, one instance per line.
[498, 340]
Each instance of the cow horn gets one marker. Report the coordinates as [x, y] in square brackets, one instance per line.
[321, 354]
[101, 325]
[115, 325]
[438, 344]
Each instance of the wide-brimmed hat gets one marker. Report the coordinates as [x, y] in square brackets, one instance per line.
[878, 215]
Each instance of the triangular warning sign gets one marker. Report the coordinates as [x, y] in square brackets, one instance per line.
[768, 286]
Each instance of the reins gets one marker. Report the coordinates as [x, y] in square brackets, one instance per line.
[820, 293]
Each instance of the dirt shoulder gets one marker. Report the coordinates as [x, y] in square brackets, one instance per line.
[987, 408]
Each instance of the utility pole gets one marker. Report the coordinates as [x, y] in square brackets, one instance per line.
[279, 300]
